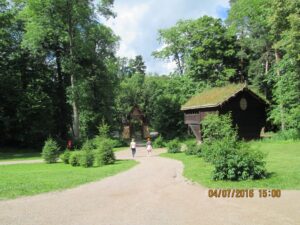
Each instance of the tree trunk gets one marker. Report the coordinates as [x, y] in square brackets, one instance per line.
[282, 120]
[76, 133]
[61, 96]
[266, 73]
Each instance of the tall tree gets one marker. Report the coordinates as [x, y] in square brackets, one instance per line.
[62, 28]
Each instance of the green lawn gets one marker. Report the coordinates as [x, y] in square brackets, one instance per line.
[18, 154]
[283, 164]
[21, 154]
[30, 179]
[120, 149]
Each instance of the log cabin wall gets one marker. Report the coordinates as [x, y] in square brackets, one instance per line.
[250, 120]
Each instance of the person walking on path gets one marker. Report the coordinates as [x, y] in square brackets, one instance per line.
[149, 147]
[133, 147]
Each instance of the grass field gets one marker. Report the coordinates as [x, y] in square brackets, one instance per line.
[21, 154]
[283, 164]
[30, 179]
[18, 154]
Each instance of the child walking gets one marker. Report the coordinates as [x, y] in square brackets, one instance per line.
[149, 147]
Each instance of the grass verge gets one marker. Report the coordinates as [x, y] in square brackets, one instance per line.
[18, 154]
[283, 164]
[30, 179]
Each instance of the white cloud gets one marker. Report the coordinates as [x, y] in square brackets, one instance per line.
[138, 22]
[126, 25]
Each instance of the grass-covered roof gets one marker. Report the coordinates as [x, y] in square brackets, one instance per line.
[215, 96]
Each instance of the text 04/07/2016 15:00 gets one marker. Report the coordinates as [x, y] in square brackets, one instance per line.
[244, 193]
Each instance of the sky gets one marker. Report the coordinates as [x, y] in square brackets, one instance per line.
[138, 21]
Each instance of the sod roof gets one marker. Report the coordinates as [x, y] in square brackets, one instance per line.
[216, 96]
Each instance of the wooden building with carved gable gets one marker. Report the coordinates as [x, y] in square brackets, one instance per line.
[135, 125]
[247, 107]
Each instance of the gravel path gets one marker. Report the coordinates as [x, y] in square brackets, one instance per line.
[152, 193]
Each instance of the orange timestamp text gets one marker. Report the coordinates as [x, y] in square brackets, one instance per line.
[244, 193]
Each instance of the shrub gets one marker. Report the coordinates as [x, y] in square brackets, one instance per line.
[103, 129]
[291, 134]
[159, 142]
[234, 160]
[65, 156]
[88, 145]
[209, 151]
[86, 158]
[74, 158]
[239, 163]
[50, 151]
[104, 154]
[193, 149]
[119, 143]
[217, 127]
[174, 146]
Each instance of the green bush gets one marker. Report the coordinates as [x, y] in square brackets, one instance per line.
[291, 134]
[159, 142]
[65, 156]
[232, 160]
[104, 154]
[239, 163]
[86, 158]
[50, 151]
[209, 151]
[88, 145]
[216, 127]
[193, 149]
[174, 146]
[119, 143]
[103, 129]
[74, 158]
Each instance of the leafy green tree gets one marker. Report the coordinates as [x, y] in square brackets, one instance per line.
[201, 48]
[69, 32]
[175, 44]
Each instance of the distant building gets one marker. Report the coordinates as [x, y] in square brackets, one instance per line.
[247, 107]
[135, 125]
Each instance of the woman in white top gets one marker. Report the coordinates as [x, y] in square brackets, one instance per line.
[133, 147]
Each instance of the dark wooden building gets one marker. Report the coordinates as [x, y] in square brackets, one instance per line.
[248, 109]
[135, 125]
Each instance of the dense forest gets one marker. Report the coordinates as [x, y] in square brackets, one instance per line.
[60, 76]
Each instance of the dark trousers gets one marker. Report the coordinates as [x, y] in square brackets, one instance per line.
[133, 150]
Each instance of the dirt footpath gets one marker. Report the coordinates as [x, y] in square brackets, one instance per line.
[152, 193]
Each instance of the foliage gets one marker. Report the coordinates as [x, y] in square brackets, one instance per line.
[200, 48]
[291, 134]
[103, 129]
[104, 154]
[159, 142]
[50, 151]
[88, 145]
[174, 146]
[65, 157]
[193, 149]
[217, 127]
[283, 174]
[75, 158]
[119, 143]
[234, 161]
[86, 158]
